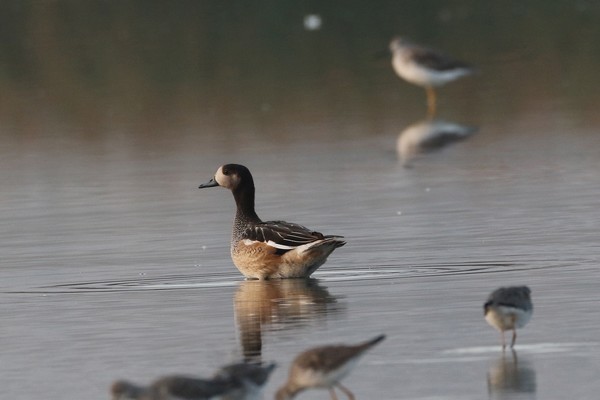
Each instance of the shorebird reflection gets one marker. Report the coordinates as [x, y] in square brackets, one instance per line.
[509, 376]
[277, 304]
[427, 136]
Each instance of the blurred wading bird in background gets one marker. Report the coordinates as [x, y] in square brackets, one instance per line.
[425, 67]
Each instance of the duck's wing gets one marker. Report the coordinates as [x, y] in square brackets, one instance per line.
[282, 235]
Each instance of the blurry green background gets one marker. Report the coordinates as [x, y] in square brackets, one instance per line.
[99, 66]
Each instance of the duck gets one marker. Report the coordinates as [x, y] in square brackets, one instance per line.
[508, 308]
[269, 249]
[425, 67]
[324, 367]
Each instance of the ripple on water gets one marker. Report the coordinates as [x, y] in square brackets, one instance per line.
[534, 348]
[427, 270]
[143, 283]
[231, 279]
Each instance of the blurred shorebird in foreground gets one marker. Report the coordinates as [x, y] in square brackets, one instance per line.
[428, 136]
[251, 377]
[269, 249]
[243, 381]
[425, 67]
[173, 387]
[508, 308]
[324, 367]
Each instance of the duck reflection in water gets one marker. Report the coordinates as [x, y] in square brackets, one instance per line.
[511, 378]
[428, 136]
[278, 304]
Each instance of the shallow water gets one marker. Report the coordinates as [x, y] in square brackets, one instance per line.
[114, 265]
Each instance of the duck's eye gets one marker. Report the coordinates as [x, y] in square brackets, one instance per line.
[225, 171]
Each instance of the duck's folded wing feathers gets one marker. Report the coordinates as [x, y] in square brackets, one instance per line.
[282, 235]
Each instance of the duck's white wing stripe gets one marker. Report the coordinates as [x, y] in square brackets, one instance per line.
[271, 243]
[280, 246]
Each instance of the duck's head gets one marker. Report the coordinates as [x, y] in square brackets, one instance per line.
[230, 176]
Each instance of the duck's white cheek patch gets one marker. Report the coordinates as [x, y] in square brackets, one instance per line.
[220, 177]
[227, 181]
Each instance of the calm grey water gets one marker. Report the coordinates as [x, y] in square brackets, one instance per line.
[114, 265]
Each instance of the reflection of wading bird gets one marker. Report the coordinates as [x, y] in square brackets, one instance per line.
[508, 308]
[425, 67]
[427, 136]
[274, 249]
[243, 381]
[509, 376]
[323, 367]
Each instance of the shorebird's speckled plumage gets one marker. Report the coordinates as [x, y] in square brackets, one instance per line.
[269, 249]
[323, 367]
[508, 308]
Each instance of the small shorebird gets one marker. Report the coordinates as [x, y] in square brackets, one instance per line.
[323, 367]
[425, 67]
[508, 308]
[174, 387]
[242, 381]
[271, 249]
[249, 375]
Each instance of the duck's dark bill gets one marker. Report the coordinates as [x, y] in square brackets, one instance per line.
[210, 183]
